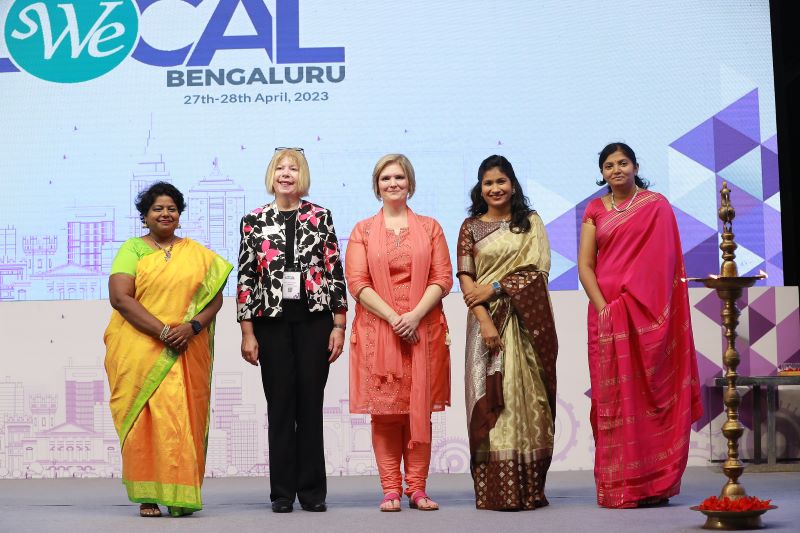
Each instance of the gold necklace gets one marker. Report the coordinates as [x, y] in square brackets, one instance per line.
[168, 251]
[504, 222]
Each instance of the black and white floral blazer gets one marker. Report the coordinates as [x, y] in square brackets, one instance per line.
[262, 259]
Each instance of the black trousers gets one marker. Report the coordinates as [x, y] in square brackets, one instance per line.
[294, 370]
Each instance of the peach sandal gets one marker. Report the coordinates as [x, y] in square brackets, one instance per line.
[414, 502]
[390, 497]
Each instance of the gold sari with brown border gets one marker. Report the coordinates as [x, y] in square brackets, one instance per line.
[510, 394]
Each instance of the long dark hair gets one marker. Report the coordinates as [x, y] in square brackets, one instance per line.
[629, 153]
[520, 206]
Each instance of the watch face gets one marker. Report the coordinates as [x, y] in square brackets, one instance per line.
[196, 327]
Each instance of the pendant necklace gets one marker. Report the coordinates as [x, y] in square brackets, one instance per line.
[620, 210]
[168, 251]
[504, 222]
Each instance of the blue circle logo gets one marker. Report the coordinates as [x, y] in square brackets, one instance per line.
[71, 41]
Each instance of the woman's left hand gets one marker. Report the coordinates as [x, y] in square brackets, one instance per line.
[335, 344]
[478, 295]
[178, 337]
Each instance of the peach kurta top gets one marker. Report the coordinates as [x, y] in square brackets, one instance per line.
[370, 393]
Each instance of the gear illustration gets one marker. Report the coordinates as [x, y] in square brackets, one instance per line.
[566, 431]
[450, 455]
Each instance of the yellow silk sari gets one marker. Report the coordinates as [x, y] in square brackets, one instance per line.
[159, 398]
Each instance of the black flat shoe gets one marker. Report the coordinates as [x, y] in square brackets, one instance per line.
[282, 506]
[320, 507]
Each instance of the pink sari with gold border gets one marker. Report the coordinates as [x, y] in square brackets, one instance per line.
[642, 360]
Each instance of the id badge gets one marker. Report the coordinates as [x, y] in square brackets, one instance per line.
[291, 285]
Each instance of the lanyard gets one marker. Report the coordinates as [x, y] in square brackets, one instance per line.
[296, 247]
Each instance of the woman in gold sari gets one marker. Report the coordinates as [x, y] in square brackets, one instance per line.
[503, 263]
[165, 292]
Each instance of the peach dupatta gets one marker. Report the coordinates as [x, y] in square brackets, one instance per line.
[387, 364]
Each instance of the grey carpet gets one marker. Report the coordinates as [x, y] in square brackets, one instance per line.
[239, 505]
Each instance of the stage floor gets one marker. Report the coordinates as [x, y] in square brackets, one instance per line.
[239, 505]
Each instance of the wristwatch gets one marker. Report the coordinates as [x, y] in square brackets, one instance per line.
[197, 327]
[497, 288]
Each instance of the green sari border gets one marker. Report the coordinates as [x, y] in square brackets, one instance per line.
[170, 494]
[213, 282]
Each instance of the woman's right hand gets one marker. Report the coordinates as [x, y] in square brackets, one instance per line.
[600, 305]
[491, 337]
[250, 349]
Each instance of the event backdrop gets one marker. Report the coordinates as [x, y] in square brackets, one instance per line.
[101, 98]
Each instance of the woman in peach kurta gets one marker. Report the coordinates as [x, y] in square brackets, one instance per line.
[398, 269]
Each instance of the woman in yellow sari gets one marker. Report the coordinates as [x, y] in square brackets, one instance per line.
[166, 292]
[503, 263]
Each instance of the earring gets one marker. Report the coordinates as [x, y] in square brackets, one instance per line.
[144, 225]
[179, 225]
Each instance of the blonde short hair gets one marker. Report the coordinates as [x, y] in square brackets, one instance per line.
[405, 164]
[303, 182]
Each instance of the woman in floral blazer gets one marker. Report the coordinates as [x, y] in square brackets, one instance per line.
[291, 307]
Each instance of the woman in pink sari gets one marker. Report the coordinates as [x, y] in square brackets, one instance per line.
[642, 361]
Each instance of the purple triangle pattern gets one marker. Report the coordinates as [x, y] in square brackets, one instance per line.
[716, 143]
[771, 144]
[710, 306]
[703, 259]
[774, 272]
[729, 145]
[568, 281]
[760, 365]
[693, 232]
[698, 144]
[789, 338]
[563, 235]
[773, 244]
[769, 172]
[765, 306]
[742, 115]
[759, 325]
[708, 370]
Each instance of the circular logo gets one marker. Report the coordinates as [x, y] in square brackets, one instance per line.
[71, 41]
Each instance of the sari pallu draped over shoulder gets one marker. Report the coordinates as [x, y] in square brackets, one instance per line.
[642, 361]
[159, 398]
[510, 394]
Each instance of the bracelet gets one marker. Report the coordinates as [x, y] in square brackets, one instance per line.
[340, 326]
[164, 332]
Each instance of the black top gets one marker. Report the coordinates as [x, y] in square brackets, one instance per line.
[294, 310]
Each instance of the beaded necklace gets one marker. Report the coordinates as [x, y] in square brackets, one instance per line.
[620, 210]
